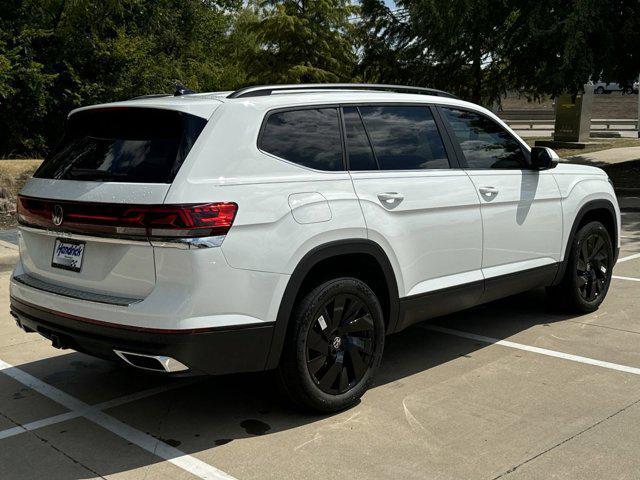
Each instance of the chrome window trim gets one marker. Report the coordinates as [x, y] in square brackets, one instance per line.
[184, 243]
[78, 236]
[194, 243]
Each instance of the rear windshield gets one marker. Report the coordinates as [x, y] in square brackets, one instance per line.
[141, 145]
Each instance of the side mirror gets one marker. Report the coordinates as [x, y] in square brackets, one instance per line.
[543, 158]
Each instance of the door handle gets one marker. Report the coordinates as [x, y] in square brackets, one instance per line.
[488, 191]
[390, 199]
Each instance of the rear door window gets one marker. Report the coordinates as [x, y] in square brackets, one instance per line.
[134, 145]
[309, 137]
[404, 137]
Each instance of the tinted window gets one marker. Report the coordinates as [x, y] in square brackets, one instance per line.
[404, 137]
[484, 143]
[142, 145]
[358, 146]
[309, 137]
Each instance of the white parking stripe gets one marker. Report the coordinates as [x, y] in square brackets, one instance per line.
[626, 278]
[141, 439]
[63, 417]
[541, 351]
[630, 257]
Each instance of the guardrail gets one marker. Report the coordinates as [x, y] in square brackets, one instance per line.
[532, 124]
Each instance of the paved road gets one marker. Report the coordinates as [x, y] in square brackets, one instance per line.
[509, 390]
[10, 235]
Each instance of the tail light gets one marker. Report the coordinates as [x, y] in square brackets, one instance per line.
[124, 220]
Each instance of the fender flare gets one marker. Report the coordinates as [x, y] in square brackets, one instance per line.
[586, 208]
[312, 258]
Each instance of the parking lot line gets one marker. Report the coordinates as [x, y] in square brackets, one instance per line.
[63, 417]
[529, 348]
[147, 442]
[630, 257]
[626, 278]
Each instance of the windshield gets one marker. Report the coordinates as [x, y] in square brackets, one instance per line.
[136, 145]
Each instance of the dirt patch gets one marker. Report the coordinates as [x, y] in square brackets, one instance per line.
[13, 175]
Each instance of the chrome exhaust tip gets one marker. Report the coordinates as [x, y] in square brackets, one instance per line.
[154, 363]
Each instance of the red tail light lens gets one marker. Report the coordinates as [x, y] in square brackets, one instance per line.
[153, 221]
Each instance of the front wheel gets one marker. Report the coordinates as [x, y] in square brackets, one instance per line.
[589, 267]
[333, 347]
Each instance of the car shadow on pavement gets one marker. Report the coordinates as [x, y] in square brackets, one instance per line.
[197, 415]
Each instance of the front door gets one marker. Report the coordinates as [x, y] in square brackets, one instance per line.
[521, 209]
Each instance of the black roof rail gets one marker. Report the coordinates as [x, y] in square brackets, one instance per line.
[265, 90]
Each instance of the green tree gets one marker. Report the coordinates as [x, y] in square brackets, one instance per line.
[558, 46]
[56, 55]
[454, 45]
[304, 41]
[480, 48]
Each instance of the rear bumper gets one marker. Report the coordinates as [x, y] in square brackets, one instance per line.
[211, 351]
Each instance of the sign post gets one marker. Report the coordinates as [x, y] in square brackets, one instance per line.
[573, 116]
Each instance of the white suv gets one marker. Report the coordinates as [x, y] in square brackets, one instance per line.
[291, 228]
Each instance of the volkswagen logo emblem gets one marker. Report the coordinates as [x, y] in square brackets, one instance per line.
[57, 215]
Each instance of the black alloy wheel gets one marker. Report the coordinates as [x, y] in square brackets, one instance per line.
[587, 276]
[593, 267]
[333, 347]
[340, 344]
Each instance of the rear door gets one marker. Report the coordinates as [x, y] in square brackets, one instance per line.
[521, 210]
[109, 161]
[421, 208]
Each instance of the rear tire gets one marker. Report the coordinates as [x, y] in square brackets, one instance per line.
[333, 347]
[587, 277]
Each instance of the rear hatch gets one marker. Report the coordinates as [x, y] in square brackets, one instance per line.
[87, 214]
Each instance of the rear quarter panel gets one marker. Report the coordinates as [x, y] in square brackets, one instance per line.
[265, 236]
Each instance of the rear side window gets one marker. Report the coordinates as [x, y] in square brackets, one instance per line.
[404, 137]
[358, 147]
[308, 137]
[135, 145]
[484, 143]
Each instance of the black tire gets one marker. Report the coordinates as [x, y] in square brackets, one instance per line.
[588, 275]
[599, 90]
[318, 372]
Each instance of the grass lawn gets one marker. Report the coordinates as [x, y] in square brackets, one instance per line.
[603, 144]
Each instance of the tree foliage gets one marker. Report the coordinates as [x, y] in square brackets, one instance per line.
[56, 55]
[480, 48]
[304, 41]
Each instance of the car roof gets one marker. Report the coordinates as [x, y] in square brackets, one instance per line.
[204, 104]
